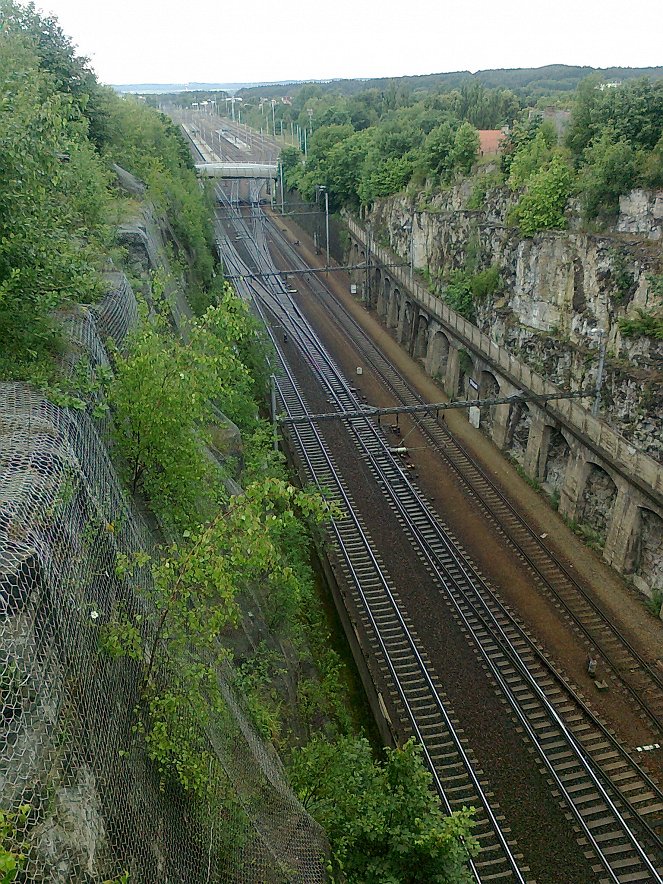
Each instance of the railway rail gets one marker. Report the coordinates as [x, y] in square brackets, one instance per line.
[394, 643]
[629, 669]
[605, 817]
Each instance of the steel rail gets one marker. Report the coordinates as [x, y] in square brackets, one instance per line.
[314, 473]
[433, 429]
[578, 749]
[551, 711]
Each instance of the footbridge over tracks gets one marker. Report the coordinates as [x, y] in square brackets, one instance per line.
[238, 170]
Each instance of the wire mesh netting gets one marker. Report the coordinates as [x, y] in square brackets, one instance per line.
[81, 801]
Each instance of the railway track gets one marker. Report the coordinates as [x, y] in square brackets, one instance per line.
[414, 686]
[629, 670]
[612, 823]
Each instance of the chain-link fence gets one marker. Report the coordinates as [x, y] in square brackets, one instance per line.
[79, 799]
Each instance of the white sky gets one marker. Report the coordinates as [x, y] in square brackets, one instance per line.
[175, 41]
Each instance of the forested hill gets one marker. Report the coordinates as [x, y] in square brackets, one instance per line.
[524, 81]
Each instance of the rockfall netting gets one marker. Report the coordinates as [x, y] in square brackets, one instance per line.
[92, 803]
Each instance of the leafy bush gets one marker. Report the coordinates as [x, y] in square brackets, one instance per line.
[609, 170]
[458, 294]
[542, 206]
[383, 821]
[645, 325]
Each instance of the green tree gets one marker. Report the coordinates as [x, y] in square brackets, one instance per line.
[53, 202]
[542, 206]
[609, 170]
[466, 148]
[437, 151]
[383, 821]
[528, 159]
[160, 397]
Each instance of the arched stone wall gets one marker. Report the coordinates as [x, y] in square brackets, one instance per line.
[645, 560]
[556, 458]
[420, 347]
[518, 427]
[394, 309]
[385, 295]
[376, 287]
[598, 500]
[465, 371]
[406, 321]
[489, 388]
[438, 355]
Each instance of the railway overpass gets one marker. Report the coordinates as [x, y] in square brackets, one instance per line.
[238, 170]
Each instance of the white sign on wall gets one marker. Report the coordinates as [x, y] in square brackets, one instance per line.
[353, 289]
[475, 415]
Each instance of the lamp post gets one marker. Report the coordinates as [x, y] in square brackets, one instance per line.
[367, 287]
[322, 188]
[281, 180]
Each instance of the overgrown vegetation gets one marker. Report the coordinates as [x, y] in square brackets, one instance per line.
[364, 143]
[60, 132]
[465, 290]
[383, 821]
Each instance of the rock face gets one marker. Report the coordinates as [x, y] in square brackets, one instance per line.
[641, 212]
[562, 293]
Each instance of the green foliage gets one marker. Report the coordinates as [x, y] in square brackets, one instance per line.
[383, 820]
[542, 206]
[12, 857]
[609, 170]
[632, 112]
[654, 604]
[51, 210]
[644, 325]
[161, 395]
[465, 149]
[458, 294]
[486, 283]
[195, 584]
[528, 159]
[622, 276]
[651, 165]
[464, 289]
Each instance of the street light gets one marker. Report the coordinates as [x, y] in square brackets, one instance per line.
[322, 188]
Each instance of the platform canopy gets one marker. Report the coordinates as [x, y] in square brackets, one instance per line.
[237, 170]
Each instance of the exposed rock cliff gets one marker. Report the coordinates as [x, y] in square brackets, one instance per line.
[562, 293]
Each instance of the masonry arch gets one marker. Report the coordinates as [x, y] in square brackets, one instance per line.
[557, 448]
[438, 355]
[646, 556]
[406, 323]
[489, 388]
[518, 427]
[597, 501]
[385, 295]
[393, 309]
[421, 337]
[376, 285]
[465, 371]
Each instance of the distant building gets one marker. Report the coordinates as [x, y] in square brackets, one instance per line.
[490, 141]
[559, 118]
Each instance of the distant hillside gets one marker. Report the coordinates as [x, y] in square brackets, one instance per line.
[528, 81]
[174, 88]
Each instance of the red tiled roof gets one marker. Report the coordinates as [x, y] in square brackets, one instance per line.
[490, 140]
